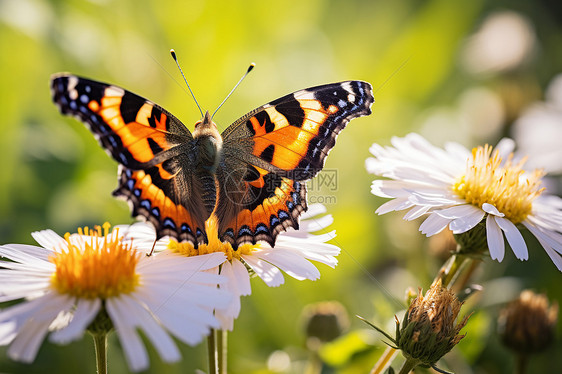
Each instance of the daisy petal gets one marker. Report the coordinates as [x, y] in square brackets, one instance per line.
[135, 352]
[514, 238]
[490, 209]
[394, 205]
[48, 239]
[494, 236]
[86, 311]
[268, 273]
[291, 263]
[434, 224]
[466, 223]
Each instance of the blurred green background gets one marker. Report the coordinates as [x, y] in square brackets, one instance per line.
[453, 71]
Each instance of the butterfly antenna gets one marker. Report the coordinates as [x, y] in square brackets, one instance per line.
[181, 71]
[252, 65]
[152, 250]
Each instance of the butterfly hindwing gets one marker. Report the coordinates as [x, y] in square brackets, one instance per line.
[271, 151]
[255, 204]
[155, 150]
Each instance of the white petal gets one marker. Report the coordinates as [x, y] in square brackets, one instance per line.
[514, 238]
[550, 238]
[135, 351]
[86, 311]
[466, 223]
[26, 258]
[416, 212]
[49, 239]
[433, 224]
[27, 342]
[40, 253]
[34, 328]
[238, 284]
[435, 199]
[291, 263]
[494, 236]
[505, 146]
[490, 209]
[458, 211]
[394, 205]
[312, 225]
[553, 238]
[314, 210]
[242, 278]
[312, 250]
[146, 322]
[554, 256]
[271, 275]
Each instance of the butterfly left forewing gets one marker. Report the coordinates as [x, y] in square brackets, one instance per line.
[155, 151]
[274, 149]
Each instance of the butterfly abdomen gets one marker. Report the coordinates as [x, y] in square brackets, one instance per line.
[208, 146]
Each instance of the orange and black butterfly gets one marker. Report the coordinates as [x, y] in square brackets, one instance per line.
[252, 176]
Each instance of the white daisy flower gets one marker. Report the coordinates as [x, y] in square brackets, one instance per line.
[292, 254]
[70, 282]
[458, 189]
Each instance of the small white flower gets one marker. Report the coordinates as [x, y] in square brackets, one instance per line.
[292, 254]
[457, 188]
[539, 129]
[68, 281]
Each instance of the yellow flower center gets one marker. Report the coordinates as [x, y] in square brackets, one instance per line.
[214, 245]
[96, 266]
[505, 187]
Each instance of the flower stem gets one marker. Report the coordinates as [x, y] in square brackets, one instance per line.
[522, 361]
[450, 270]
[222, 350]
[409, 365]
[100, 345]
[212, 352]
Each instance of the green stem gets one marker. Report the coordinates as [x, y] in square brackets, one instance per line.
[222, 350]
[450, 270]
[409, 365]
[522, 361]
[100, 345]
[212, 352]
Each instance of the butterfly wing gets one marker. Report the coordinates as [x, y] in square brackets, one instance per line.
[271, 151]
[155, 150]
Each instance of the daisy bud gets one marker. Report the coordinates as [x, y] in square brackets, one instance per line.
[527, 324]
[324, 322]
[429, 329]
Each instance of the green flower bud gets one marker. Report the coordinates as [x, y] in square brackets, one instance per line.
[324, 322]
[429, 329]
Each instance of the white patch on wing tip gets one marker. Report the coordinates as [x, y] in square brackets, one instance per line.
[114, 91]
[351, 98]
[72, 92]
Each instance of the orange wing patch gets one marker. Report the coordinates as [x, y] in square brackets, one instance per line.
[151, 203]
[270, 210]
[296, 133]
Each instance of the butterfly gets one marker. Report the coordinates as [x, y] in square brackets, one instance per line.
[252, 176]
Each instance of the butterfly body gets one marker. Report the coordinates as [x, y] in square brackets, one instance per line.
[251, 177]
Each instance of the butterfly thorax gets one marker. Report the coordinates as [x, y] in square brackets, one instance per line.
[208, 143]
[208, 147]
